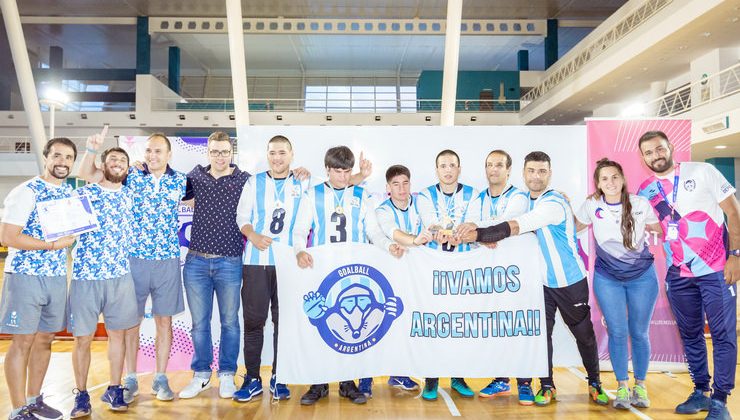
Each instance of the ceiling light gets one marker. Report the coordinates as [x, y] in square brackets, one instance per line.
[721, 146]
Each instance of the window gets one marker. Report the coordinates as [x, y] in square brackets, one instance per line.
[360, 98]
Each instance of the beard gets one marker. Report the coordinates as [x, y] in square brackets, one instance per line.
[55, 168]
[111, 177]
[661, 165]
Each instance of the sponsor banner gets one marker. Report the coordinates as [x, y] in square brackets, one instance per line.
[617, 140]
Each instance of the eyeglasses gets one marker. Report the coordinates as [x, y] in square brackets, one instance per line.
[217, 153]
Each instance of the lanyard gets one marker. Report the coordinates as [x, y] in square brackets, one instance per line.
[338, 199]
[278, 195]
[494, 207]
[675, 192]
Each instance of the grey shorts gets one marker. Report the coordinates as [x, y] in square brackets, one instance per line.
[32, 304]
[162, 280]
[114, 298]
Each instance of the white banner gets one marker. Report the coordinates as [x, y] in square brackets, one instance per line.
[359, 312]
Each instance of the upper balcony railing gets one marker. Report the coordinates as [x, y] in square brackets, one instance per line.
[303, 105]
[701, 92]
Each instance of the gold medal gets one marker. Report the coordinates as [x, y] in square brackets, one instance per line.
[339, 210]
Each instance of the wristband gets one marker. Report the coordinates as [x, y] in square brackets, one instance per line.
[735, 252]
[89, 150]
[493, 233]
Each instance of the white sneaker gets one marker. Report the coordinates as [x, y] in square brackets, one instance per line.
[195, 387]
[226, 386]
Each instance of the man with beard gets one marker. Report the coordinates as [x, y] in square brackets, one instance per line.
[689, 199]
[102, 283]
[35, 282]
[551, 217]
[156, 190]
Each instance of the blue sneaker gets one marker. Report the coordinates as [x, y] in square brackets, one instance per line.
[526, 395]
[82, 405]
[696, 402]
[24, 414]
[161, 388]
[403, 382]
[251, 387]
[430, 389]
[495, 389]
[459, 385]
[366, 387]
[718, 411]
[113, 397]
[43, 411]
[278, 391]
[130, 388]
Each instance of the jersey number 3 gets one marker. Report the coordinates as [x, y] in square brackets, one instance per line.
[341, 221]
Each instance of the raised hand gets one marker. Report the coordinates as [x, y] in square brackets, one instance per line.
[314, 305]
[95, 142]
[366, 167]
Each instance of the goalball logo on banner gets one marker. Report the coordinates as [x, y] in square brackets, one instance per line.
[353, 308]
[362, 313]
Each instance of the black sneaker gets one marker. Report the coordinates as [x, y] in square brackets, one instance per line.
[315, 393]
[349, 390]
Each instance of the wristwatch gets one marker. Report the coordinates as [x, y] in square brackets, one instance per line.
[735, 252]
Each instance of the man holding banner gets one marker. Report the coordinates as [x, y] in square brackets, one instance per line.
[35, 272]
[443, 207]
[551, 217]
[690, 200]
[500, 201]
[398, 216]
[337, 211]
[156, 190]
[265, 214]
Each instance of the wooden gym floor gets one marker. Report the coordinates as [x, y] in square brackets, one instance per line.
[666, 391]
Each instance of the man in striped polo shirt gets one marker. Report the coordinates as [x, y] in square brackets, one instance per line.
[551, 217]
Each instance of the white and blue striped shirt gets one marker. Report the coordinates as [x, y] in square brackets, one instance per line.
[434, 206]
[392, 218]
[270, 206]
[551, 217]
[318, 214]
[488, 210]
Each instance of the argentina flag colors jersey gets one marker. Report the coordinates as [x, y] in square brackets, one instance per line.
[551, 217]
[485, 209]
[103, 254]
[435, 207]
[391, 218]
[337, 215]
[270, 205]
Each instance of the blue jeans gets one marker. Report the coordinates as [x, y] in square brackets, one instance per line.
[202, 277]
[627, 306]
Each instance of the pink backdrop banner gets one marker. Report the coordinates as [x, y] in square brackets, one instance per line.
[617, 140]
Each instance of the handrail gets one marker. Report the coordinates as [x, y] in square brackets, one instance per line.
[698, 93]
